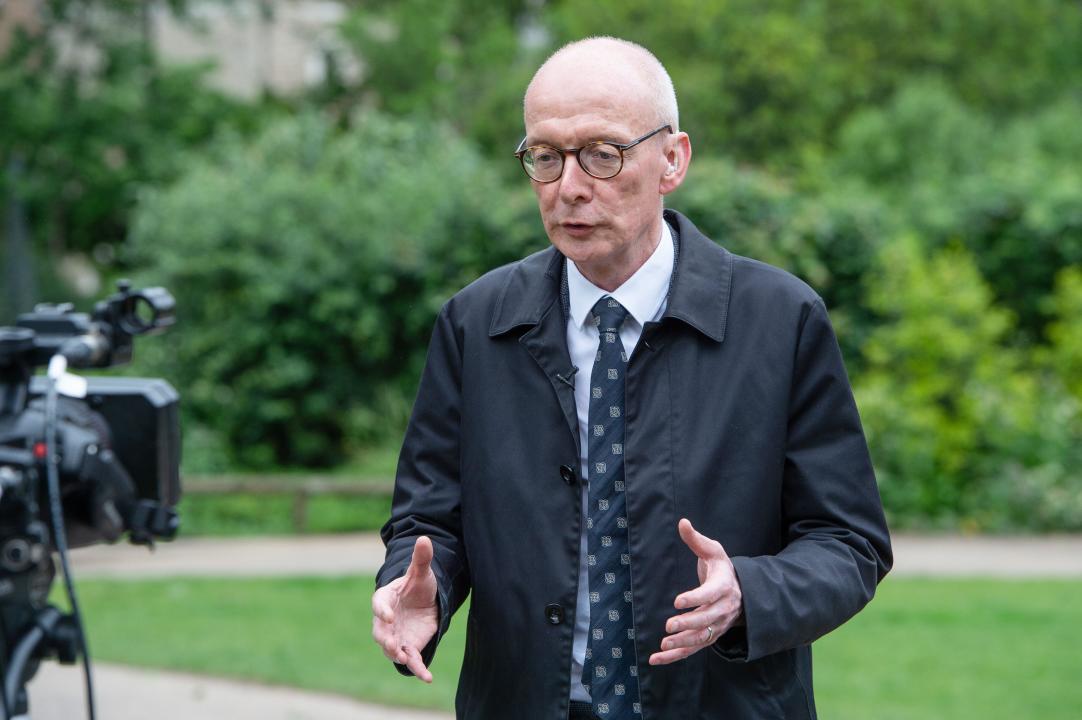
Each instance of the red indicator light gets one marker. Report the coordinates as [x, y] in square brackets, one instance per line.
[40, 450]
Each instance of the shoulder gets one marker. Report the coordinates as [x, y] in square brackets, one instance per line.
[742, 275]
[503, 289]
[773, 306]
[761, 283]
[714, 289]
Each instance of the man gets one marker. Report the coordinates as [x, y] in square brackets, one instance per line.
[638, 451]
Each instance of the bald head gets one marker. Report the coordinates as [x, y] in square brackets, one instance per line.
[594, 69]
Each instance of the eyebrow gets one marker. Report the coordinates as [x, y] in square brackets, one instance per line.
[527, 142]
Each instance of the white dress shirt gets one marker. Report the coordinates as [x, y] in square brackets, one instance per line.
[643, 295]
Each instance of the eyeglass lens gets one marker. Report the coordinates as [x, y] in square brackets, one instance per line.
[545, 164]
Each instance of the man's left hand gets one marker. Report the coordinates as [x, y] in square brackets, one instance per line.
[716, 604]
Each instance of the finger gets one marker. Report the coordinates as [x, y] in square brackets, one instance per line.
[388, 648]
[719, 615]
[415, 664]
[670, 656]
[700, 544]
[710, 592]
[386, 641]
[421, 560]
[710, 614]
[693, 638]
[381, 603]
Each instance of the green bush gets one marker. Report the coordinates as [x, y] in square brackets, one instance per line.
[1065, 331]
[962, 425]
[1040, 487]
[308, 266]
[921, 138]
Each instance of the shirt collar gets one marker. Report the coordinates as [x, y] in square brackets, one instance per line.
[643, 294]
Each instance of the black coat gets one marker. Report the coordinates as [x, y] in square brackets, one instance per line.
[739, 417]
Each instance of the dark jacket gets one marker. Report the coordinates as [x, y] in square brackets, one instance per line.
[739, 417]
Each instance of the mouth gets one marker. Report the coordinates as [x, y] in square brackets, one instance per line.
[576, 229]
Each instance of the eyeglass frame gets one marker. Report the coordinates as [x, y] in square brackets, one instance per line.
[521, 151]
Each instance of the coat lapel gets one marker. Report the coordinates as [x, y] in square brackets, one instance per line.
[702, 280]
[531, 299]
[547, 343]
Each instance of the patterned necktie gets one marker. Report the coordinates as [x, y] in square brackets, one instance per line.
[610, 671]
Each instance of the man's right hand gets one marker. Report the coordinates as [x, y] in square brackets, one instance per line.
[404, 612]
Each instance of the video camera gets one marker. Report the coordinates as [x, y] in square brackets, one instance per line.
[82, 461]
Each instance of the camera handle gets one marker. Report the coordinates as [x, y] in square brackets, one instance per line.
[53, 633]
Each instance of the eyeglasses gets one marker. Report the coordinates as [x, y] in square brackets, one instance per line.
[602, 159]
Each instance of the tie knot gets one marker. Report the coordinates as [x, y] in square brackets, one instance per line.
[610, 314]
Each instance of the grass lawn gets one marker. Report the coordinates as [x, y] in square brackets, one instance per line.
[311, 632]
[235, 515]
[924, 649]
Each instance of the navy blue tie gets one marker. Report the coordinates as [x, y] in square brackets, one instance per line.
[610, 671]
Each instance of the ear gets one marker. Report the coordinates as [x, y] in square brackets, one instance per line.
[678, 156]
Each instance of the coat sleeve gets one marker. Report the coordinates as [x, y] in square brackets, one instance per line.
[427, 484]
[837, 545]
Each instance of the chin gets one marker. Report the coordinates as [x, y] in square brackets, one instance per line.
[576, 249]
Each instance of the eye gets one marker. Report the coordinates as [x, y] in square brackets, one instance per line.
[545, 156]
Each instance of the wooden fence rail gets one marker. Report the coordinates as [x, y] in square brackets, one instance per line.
[301, 487]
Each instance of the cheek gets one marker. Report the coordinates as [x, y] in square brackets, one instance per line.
[546, 198]
[627, 202]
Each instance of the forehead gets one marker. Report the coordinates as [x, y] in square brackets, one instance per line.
[569, 103]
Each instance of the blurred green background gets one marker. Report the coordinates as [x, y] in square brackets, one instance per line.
[313, 179]
[917, 162]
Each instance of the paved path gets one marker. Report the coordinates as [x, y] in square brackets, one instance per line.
[322, 555]
[335, 555]
[1048, 556]
[131, 694]
[128, 694]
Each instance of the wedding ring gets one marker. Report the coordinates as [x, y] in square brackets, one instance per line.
[709, 634]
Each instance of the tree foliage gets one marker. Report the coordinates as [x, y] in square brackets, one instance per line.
[1008, 189]
[88, 116]
[459, 60]
[915, 161]
[773, 81]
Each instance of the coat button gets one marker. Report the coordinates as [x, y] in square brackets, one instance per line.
[554, 613]
[568, 474]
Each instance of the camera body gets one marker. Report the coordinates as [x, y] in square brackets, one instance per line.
[117, 447]
[114, 468]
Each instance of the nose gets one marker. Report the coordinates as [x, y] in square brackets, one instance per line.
[576, 185]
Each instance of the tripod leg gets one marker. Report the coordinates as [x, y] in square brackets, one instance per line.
[52, 633]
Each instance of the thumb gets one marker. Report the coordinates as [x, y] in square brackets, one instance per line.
[700, 544]
[421, 562]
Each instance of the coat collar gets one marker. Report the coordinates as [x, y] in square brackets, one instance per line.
[698, 296]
